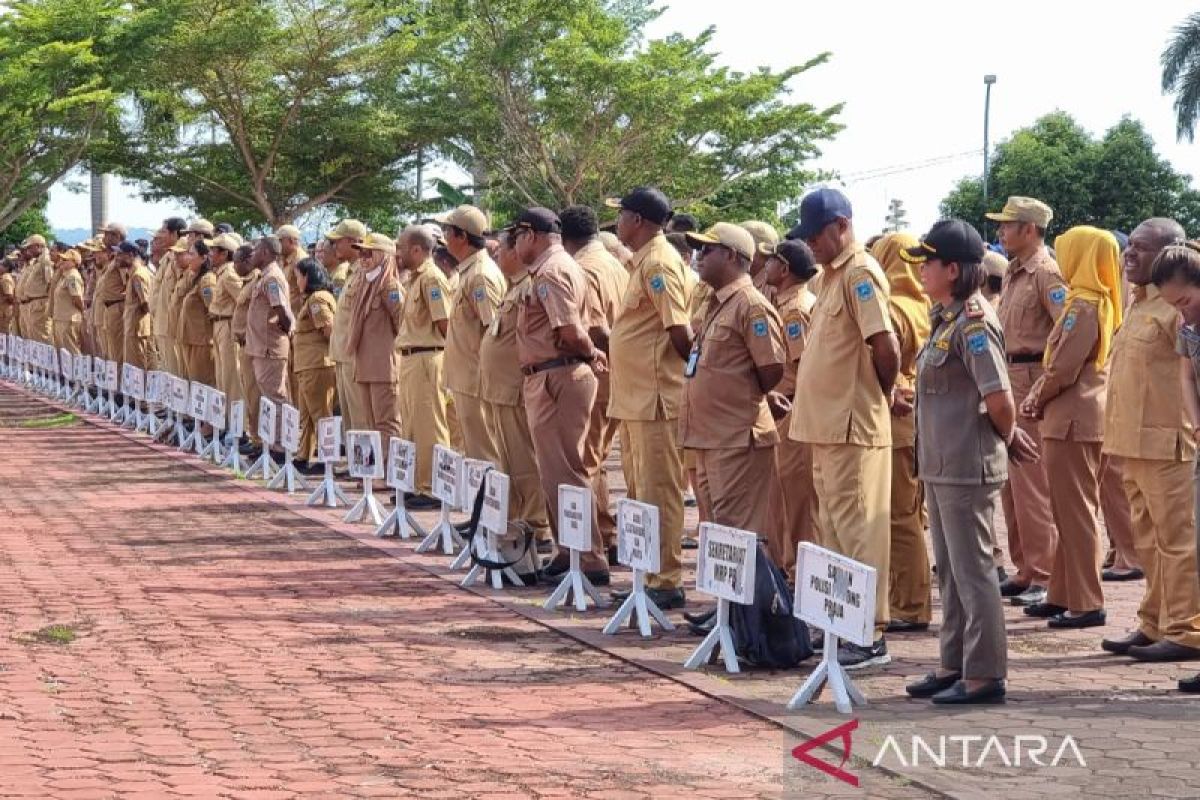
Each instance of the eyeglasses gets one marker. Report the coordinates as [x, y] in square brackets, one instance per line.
[711, 248]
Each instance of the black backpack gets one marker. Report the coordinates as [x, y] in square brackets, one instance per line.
[765, 634]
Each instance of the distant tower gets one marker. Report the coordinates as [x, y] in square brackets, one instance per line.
[99, 200]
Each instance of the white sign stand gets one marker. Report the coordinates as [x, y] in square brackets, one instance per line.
[83, 379]
[216, 418]
[724, 569]
[493, 522]
[233, 458]
[637, 548]
[266, 432]
[473, 472]
[198, 410]
[575, 534]
[447, 477]
[289, 438]
[179, 401]
[837, 595]
[402, 477]
[154, 400]
[329, 452]
[66, 368]
[365, 452]
[110, 383]
[127, 417]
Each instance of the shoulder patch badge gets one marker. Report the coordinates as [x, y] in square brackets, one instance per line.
[1058, 295]
[394, 296]
[977, 342]
[760, 327]
[435, 293]
[1069, 320]
[864, 290]
[274, 293]
[658, 284]
[794, 330]
[543, 291]
[480, 293]
[206, 292]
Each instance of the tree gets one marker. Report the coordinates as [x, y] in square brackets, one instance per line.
[562, 103]
[55, 94]
[897, 217]
[1181, 75]
[263, 110]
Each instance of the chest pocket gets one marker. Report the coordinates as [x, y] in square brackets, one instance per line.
[717, 339]
[634, 293]
[933, 376]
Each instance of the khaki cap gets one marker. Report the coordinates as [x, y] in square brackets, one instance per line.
[288, 232]
[180, 246]
[994, 264]
[378, 242]
[226, 241]
[201, 226]
[90, 245]
[72, 256]
[113, 227]
[347, 229]
[735, 237]
[762, 232]
[37, 238]
[1024, 209]
[468, 218]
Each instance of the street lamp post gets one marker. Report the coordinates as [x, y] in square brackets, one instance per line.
[988, 80]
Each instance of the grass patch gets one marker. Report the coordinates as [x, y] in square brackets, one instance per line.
[44, 423]
[52, 634]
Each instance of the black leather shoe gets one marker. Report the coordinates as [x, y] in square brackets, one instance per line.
[422, 502]
[1165, 651]
[1011, 588]
[663, 598]
[1190, 685]
[611, 553]
[1001, 575]
[1088, 619]
[931, 684]
[1121, 646]
[957, 695]
[702, 628]
[1044, 610]
[904, 626]
[530, 579]
[249, 449]
[597, 577]
[556, 568]
[1122, 575]
[700, 617]
[463, 527]
[545, 547]
[689, 543]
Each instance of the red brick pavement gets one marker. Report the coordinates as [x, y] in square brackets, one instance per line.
[227, 647]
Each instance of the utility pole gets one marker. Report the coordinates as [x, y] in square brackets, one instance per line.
[99, 200]
[988, 81]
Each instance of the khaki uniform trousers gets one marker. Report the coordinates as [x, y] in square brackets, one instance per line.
[270, 374]
[1164, 534]
[1026, 497]
[114, 333]
[423, 412]
[35, 322]
[1114, 503]
[737, 484]
[908, 574]
[316, 389]
[347, 397]
[479, 441]
[527, 501]
[854, 483]
[166, 355]
[456, 434]
[596, 447]
[972, 636]
[1074, 472]
[67, 336]
[225, 357]
[380, 406]
[793, 502]
[250, 392]
[558, 404]
[141, 352]
[199, 364]
[657, 470]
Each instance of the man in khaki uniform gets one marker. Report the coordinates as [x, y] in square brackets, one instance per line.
[607, 281]
[1031, 299]
[137, 325]
[33, 290]
[269, 322]
[293, 252]
[1145, 424]
[737, 357]
[198, 229]
[481, 288]
[165, 276]
[557, 358]
[422, 345]
[66, 304]
[8, 296]
[765, 236]
[110, 302]
[243, 262]
[221, 308]
[648, 346]
[342, 240]
[846, 381]
[375, 321]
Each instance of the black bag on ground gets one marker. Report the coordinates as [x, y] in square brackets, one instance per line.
[765, 634]
[517, 552]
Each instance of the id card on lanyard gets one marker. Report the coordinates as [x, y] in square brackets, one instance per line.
[693, 361]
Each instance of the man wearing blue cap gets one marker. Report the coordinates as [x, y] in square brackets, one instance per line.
[844, 390]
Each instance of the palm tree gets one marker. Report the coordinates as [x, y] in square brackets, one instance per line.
[1181, 75]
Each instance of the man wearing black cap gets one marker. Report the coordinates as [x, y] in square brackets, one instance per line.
[846, 380]
[559, 362]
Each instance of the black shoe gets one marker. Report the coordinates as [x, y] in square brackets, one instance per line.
[700, 617]
[597, 577]
[278, 457]
[689, 543]
[545, 547]
[957, 695]
[930, 685]
[463, 528]
[1044, 610]
[852, 656]
[1122, 575]
[1088, 619]
[611, 553]
[249, 449]
[1190, 685]
[530, 579]
[904, 626]
[422, 502]
[702, 628]
[1011, 588]
[689, 501]
[556, 568]
[1001, 575]
[1165, 651]
[816, 638]
[310, 468]
[665, 599]
[1121, 646]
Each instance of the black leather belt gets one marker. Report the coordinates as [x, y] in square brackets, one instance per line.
[553, 363]
[110, 303]
[408, 351]
[31, 299]
[1024, 358]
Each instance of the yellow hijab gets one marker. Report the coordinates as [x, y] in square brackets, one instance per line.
[903, 279]
[1091, 264]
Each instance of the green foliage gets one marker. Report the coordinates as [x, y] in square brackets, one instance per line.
[32, 220]
[1181, 75]
[1113, 182]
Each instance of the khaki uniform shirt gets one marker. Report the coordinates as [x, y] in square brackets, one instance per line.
[760, 283]
[723, 404]
[607, 280]
[269, 303]
[110, 297]
[164, 288]
[1071, 390]
[842, 400]
[33, 288]
[195, 326]
[376, 321]
[1031, 300]
[426, 301]
[481, 288]
[8, 298]
[794, 305]
[138, 291]
[340, 339]
[961, 363]
[225, 293]
[1187, 345]
[288, 265]
[555, 298]
[67, 286]
[646, 372]
[500, 378]
[311, 346]
[1144, 415]
[242, 308]
[911, 321]
[339, 276]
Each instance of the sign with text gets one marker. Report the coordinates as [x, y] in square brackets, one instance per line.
[110, 376]
[154, 386]
[83, 370]
[267, 412]
[179, 395]
[289, 431]
[127, 378]
[365, 454]
[237, 416]
[725, 564]
[402, 465]
[835, 594]
[329, 440]
[494, 516]
[637, 535]
[216, 409]
[198, 401]
[65, 365]
[574, 517]
[447, 475]
[473, 470]
[137, 383]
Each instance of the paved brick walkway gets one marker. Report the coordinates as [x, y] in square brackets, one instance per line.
[169, 632]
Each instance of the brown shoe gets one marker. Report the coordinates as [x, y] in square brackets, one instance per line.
[1121, 646]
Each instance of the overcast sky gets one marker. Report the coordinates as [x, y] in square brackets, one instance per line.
[911, 77]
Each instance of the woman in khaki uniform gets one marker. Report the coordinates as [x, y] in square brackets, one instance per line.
[66, 304]
[316, 378]
[195, 330]
[8, 297]
[1068, 398]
